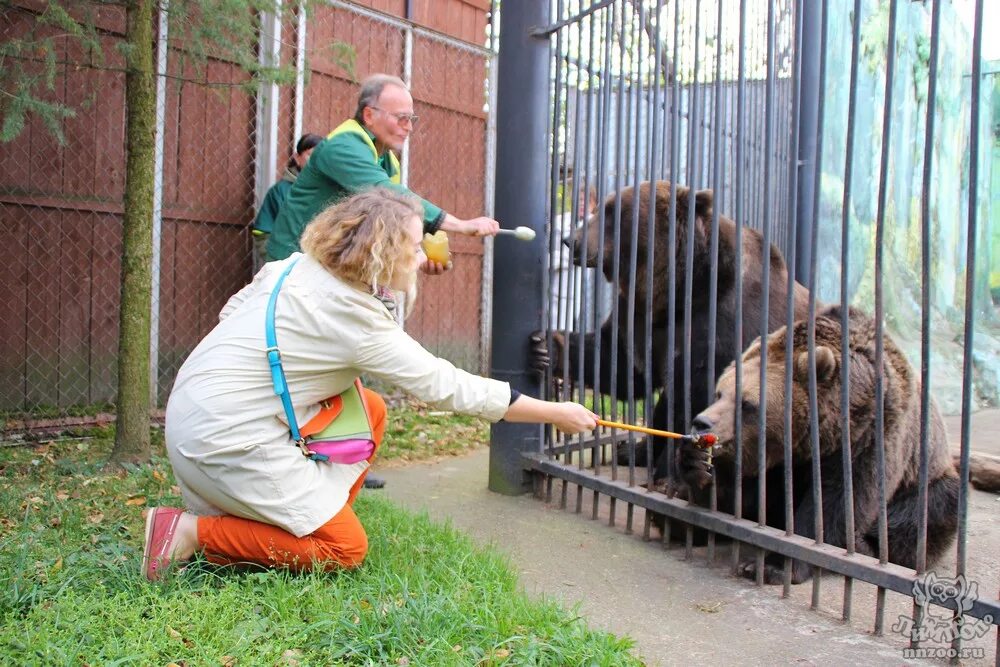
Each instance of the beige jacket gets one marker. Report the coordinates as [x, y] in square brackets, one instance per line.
[225, 428]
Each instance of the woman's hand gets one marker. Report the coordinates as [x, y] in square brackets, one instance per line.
[573, 418]
[570, 418]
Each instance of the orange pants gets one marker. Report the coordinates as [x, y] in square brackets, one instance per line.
[340, 542]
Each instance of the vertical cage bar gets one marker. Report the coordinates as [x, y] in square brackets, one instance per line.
[655, 141]
[818, 526]
[883, 195]
[925, 307]
[634, 246]
[790, 263]
[738, 186]
[845, 375]
[968, 337]
[765, 290]
[718, 198]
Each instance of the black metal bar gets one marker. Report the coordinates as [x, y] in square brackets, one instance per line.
[883, 194]
[590, 284]
[669, 382]
[718, 193]
[634, 251]
[654, 145]
[693, 142]
[827, 557]
[738, 318]
[547, 30]
[765, 280]
[925, 310]
[620, 160]
[965, 442]
[790, 303]
[605, 134]
[553, 207]
[522, 100]
[847, 460]
[817, 480]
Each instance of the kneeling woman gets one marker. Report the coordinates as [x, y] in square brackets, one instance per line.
[252, 496]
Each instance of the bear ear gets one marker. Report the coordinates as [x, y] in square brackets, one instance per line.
[826, 365]
[703, 200]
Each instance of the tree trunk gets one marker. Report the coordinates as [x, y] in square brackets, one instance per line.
[132, 432]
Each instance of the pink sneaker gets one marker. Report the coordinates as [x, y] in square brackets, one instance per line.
[161, 524]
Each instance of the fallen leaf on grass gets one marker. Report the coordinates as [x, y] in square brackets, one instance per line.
[136, 500]
[290, 658]
[227, 661]
[96, 518]
[158, 476]
[403, 661]
[173, 634]
[55, 522]
[501, 653]
[62, 495]
[57, 565]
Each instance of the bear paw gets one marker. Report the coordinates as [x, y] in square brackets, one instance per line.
[693, 465]
[774, 574]
[541, 358]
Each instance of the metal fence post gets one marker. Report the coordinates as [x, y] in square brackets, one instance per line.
[808, 141]
[267, 109]
[163, 22]
[521, 180]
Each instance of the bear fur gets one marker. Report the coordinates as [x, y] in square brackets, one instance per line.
[901, 437]
[589, 238]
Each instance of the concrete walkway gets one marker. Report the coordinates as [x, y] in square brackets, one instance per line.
[677, 611]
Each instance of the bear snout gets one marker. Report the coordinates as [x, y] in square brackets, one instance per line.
[575, 245]
[702, 423]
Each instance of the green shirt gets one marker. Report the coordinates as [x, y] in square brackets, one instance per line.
[273, 200]
[340, 166]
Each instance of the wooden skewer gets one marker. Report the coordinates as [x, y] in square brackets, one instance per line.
[707, 438]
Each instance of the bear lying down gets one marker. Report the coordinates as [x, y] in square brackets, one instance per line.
[901, 387]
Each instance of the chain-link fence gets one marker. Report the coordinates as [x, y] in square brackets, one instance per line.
[218, 149]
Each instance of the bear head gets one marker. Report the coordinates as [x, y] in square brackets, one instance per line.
[720, 416]
[594, 243]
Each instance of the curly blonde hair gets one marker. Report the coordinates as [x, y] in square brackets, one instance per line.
[363, 238]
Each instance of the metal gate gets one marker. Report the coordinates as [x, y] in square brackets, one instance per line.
[852, 139]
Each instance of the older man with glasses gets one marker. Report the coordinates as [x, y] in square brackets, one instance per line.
[361, 153]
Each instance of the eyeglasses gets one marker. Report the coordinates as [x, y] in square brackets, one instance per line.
[401, 118]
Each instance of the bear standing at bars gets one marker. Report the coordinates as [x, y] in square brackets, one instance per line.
[594, 237]
[901, 390]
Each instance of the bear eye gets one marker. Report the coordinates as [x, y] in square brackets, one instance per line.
[749, 408]
[718, 395]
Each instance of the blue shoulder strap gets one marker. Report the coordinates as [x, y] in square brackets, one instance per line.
[274, 357]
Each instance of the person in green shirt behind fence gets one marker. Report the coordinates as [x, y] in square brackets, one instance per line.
[275, 197]
[361, 153]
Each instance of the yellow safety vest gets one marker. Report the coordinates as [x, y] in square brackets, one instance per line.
[355, 127]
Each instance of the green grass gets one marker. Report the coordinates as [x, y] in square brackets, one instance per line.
[416, 432]
[70, 590]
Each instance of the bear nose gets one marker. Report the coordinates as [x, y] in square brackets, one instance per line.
[702, 423]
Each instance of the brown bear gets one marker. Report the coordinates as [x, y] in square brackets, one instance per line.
[901, 437]
[601, 235]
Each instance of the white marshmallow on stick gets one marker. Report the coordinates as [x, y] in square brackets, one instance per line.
[522, 233]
